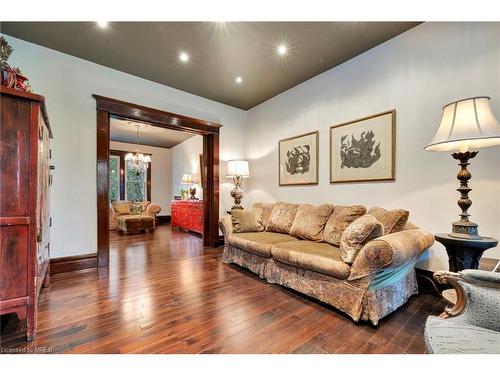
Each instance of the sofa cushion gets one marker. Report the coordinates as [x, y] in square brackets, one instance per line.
[282, 217]
[357, 234]
[454, 336]
[310, 221]
[247, 220]
[121, 207]
[339, 220]
[314, 256]
[266, 211]
[137, 208]
[259, 243]
[393, 220]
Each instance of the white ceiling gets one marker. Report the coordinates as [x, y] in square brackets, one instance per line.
[125, 131]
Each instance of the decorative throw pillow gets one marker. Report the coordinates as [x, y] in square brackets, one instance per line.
[310, 221]
[266, 211]
[137, 208]
[339, 220]
[357, 234]
[121, 207]
[247, 220]
[393, 220]
[282, 217]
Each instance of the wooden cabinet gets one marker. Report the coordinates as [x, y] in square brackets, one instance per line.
[188, 215]
[24, 203]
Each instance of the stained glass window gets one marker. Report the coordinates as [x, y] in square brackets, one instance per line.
[114, 178]
[135, 183]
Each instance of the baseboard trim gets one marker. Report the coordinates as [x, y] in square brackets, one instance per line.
[73, 263]
[165, 219]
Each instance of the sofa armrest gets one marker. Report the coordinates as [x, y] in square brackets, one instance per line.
[390, 251]
[226, 226]
[478, 297]
[112, 218]
[153, 209]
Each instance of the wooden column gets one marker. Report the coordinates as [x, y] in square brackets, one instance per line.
[102, 187]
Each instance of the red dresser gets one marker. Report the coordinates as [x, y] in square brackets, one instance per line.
[24, 203]
[188, 215]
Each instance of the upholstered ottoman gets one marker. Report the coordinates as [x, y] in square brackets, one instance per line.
[135, 223]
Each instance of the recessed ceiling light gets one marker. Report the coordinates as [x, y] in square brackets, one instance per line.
[282, 49]
[184, 57]
[102, 24]
[239, 79]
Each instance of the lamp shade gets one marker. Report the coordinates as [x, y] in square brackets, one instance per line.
[466, 124]
[238, 168]
[187, 178]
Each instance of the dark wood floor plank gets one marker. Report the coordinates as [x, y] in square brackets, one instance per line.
[164, 293]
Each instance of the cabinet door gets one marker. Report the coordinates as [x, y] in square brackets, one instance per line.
[175, 214]
[14, 156]
[13, 261]
[43, 199]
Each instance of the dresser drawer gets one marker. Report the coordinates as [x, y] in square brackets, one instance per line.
[188, 215]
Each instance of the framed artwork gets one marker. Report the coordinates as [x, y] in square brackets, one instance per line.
[298, 160]
[364, 149]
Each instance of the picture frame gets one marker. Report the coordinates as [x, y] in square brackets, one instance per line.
[364, 150]
[298, 160]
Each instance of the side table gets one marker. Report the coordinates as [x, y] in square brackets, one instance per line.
[464, 253]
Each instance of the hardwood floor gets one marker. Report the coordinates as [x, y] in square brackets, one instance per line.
[164, 293]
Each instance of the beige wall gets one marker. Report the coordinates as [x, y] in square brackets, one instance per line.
[68, 83]
[186, 159]
[161, 176]
[416, 73]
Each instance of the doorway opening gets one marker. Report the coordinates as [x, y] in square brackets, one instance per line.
[109, 109]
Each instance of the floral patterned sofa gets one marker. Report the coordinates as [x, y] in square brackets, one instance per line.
[360, 262]
[132, 216]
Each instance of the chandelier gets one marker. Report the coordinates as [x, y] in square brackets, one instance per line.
[138, 161]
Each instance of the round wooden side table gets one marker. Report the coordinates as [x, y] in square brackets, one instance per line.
[464, 253]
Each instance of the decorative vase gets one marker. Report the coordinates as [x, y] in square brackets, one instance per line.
[21, 82]
[8, 77]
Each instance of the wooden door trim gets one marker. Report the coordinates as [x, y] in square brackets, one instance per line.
[107, 107]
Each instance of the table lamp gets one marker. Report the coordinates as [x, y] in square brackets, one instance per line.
[187, 179]
[237, 169]
[466, 125]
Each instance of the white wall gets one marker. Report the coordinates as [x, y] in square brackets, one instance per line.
[68, 84]
[161, 172]
[186, 159]
[416, 73]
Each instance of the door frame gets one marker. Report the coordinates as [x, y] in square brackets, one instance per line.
[107, 107]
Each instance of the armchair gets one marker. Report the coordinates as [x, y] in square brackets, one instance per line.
[472, 325]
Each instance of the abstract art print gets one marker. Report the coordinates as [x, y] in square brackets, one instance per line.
[298, 160]
[364, 149]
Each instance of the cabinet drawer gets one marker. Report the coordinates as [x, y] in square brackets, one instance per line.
[13, 261]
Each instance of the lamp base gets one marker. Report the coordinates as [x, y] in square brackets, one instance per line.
[192, 192]
[465, 229]
[237, 194]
